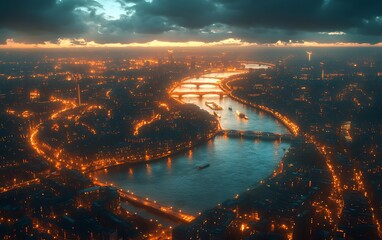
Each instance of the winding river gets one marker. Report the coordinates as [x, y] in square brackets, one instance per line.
[234, 164]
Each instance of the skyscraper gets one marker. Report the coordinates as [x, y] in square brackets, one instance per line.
[309, 55]
[322, 70]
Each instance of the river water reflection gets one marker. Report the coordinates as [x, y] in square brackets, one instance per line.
[235, 164]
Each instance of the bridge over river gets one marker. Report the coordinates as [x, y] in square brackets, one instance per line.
[198, 84]
[199, 93]
[256, 135]
[189, 184]
[152, 205]
[166, 211]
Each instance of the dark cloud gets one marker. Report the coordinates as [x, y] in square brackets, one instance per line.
[255, 19]
[371, 27]
[291, 14]
[41, 16]
[194, 20]
[185, 13]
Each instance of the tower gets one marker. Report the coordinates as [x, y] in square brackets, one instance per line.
[309, 55]
[322, 70]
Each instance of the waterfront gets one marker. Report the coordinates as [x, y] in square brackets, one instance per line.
[235, 165]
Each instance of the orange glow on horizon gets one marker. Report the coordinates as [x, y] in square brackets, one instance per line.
[230, 42]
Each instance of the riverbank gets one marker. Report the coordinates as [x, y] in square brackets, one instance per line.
[295, 188]
[292, 127]
[143, 159]
[235, 164]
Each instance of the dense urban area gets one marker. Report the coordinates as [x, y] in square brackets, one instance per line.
[65, 115]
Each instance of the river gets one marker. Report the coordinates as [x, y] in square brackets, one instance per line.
[235, 164]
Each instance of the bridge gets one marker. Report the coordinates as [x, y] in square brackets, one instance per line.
[198, 84]
[151, 205]
[205, 75]
[260, 63]
[166, 211]
[267, 136]
[199, 93]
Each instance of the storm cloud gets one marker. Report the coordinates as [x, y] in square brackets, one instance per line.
[196, 20]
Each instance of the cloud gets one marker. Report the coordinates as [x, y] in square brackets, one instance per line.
[230, 42]
[185, 13]
[332, 33]
[82, 43]
[261, 21]
[41, 16]
[300, 15]
[255, 19]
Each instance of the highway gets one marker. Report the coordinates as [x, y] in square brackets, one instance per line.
[19, 185]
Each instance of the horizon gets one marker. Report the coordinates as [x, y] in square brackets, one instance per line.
[227, 43]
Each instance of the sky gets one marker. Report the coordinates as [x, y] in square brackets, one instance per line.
[118, 23]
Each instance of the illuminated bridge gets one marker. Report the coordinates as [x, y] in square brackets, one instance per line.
[198, 84]
[205, 75]
[169, 212]
[199, 93]
[256, 135]
[151, 205]
[260, 63]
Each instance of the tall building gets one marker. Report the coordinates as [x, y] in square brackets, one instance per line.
[322, 70]
[309, 55]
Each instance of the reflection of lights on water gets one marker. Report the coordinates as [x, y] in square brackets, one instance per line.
[169, 163]
[148, 169]
[276, 153]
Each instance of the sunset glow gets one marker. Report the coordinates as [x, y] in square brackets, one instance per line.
[230, 42]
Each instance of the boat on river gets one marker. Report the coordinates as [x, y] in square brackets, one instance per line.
[203, 166]
[217, 115]
[242, 115]
[213, 106]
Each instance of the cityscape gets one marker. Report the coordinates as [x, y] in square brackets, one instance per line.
[206, 127]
